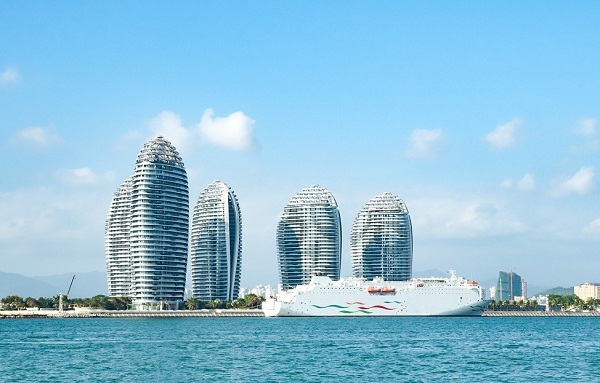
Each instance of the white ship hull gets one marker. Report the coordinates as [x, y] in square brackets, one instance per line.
[356, 297]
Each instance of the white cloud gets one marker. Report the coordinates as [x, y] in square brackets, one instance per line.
[424, 143]
[593, 227]
[527, 183]
[232, 132]
[506, 184]
[10, 76]
[581, 182]
[504, 136]
[41, 137]
[168, 125]
[84, 176]
[462, 219]
[587, 127]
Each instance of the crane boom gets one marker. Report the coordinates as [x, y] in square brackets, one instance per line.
[71, 285]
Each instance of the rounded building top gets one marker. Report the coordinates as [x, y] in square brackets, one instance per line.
[386, 201]
[159, 150]
[314, 195]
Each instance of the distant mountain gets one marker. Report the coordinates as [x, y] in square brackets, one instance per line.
[16, 284]
[85, 285]
[558, 291]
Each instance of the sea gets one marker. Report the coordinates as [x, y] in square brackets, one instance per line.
[375, 349]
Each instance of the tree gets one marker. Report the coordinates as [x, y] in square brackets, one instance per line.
[13, 302]
[192, 304]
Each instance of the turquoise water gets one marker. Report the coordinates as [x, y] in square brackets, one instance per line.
[300, 350]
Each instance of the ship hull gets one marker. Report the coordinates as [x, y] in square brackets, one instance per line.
[408, 299]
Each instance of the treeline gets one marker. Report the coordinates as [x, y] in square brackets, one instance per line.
[103, 302]
[556, 302]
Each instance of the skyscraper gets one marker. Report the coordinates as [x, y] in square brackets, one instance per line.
[309, 237]
[509, 286]
[118, 259]
[216, 244]
[381, 240]
[158, 228]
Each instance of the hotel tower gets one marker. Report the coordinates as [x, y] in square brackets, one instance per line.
[157, 225]
[309, 237]
[381, 240]
[216, 244]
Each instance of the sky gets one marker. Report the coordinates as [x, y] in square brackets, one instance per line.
[481, 116]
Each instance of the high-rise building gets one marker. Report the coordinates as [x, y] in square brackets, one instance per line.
[216, 244]
[509, 286]
[118, 258]
[309, 237]
[381, 240]
[158, 228]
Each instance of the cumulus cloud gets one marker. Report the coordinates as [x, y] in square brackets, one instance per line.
[424, 143]
[587, 127]
[506, 184]
[581, 182]
[84, 176]
[233, 132]
[504, 136]
[527, 183]
[10, 76]
[168, 125]
[593, 228]
[463, 219]
[40, 137]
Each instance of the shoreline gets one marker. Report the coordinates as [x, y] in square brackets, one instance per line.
[49, 314]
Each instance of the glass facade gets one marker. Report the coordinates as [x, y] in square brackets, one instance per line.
[309, 237]
[216, 244]
[509, 286]
[381, 240]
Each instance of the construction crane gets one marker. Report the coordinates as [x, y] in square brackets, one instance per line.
[60, 300]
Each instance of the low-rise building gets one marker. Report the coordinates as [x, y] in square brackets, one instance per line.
[587, 291]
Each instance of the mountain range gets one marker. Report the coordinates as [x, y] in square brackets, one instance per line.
[93, 283]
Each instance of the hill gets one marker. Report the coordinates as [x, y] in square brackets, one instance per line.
[85, 285]
[558, 291]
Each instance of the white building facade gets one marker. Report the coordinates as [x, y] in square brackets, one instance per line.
[381, 241]
[587, 291]
[309, 237]
[116, 237]
[216, 244]
[158, 229]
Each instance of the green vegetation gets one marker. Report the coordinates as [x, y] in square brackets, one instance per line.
[557, 302]
[102, 302]
[250, 301]
[567, 302]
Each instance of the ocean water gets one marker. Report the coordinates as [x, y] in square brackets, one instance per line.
[554, 349]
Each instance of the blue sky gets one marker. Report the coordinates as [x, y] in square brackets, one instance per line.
[481, 117]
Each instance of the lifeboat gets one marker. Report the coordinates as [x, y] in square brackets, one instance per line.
[373, 289]
[388, 290]
[472, 283]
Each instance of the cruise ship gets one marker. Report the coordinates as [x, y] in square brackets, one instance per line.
[452, 296]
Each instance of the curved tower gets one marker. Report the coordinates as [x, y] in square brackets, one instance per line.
[159, 226]
[116, 237]
[216, 244]
[309, 237]
[381, 240]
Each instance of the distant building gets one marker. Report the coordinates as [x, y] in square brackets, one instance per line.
[216, 244]
[587, 291]
[509, 286]
[117, 244]
[147, 230]
[309, 237]
[381, 240]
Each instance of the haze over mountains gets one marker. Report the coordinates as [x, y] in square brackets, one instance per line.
[89, 284]
[85, 285]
